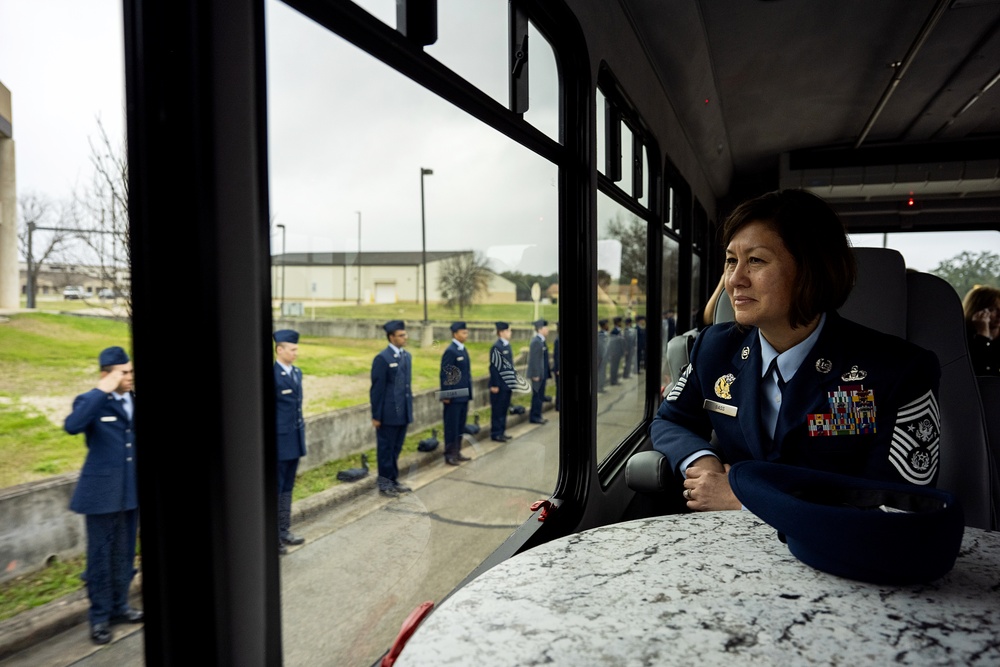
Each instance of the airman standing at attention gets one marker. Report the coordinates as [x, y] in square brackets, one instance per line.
[616, 348]
[456, 382]
[107, 492]
[602, 354]
[628, 338]
[392, 406]
[538, 370]
[291, 427]
[640, 342]
[503, 378]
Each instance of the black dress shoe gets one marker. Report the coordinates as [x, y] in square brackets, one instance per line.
[390, 492]
[292, 538]
[539, 421]
[452, 461]
[282, 549]
[507, 437]
[130, 616]
[546, 399]
[462, 457]
[402, 488]
[100, 633]
[500, 439]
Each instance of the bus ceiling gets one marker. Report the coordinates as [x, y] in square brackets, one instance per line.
[859, 101]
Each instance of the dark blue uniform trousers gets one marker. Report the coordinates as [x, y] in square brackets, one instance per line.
[455, 415]
[110, 562]
[389, 441]
[536, 400]
[499, 404]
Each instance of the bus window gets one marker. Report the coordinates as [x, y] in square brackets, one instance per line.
[363, 158]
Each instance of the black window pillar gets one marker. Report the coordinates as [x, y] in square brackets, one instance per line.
[198, 208]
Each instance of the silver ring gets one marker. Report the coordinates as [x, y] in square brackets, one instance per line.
[687, 494]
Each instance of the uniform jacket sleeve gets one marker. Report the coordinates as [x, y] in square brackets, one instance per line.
[380, 380]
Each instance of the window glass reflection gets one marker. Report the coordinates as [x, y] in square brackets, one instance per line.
[363, 164]
[621, 298]
[668, 305]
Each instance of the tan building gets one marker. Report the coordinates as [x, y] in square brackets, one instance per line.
[383, 277]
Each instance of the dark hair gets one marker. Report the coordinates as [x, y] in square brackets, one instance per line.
[978, 298]
[815, 236]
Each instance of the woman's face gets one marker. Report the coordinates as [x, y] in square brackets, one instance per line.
[760, 277]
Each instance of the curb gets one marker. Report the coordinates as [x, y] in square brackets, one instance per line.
[39, 624]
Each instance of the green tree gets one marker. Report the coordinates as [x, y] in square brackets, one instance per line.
[631, 234]
[968, 269]
[524, 281]
[464, 278]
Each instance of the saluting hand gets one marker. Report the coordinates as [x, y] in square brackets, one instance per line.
[111, 381]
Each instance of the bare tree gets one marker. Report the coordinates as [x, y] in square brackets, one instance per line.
[463, 279]
[104, 206]
[44, 232]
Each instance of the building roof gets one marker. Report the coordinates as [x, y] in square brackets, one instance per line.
[407, 258]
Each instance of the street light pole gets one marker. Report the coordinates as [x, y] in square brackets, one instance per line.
[284, 259]
[359, 257]
[423, 235]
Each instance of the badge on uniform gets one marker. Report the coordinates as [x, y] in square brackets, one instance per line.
[854, 375]
[745, 354]
[452, 375]
[852, 412]
[824, 365]
[109, 419]
[915, 440]
[286, 391]
[722, 385]
[393, 365]
[679, 385]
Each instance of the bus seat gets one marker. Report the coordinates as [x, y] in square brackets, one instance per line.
[878, 299]
[989, 393]
[935, 322]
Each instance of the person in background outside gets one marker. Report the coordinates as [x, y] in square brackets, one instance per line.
[291, 428]
[982, 321]
[503, 378]
[392, 406]
[456, 376]
[538, 370]
[107, 492]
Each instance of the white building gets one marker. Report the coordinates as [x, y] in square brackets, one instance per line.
[383, 277]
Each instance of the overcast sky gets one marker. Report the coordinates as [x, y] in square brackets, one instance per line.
[346, 133]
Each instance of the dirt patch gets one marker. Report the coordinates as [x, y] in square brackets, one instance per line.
[322, 392]
[55, 408]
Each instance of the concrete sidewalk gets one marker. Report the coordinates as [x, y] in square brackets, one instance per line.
[40, 624]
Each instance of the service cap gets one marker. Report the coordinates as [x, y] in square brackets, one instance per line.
[112, 356]
[503, 326]
[394, 325]
[458, 326]
[540, 323]
[874, 531]
[286, 336]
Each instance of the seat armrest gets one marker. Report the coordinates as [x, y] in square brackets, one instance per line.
[648, 472]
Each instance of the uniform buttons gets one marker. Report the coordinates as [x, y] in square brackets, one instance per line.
[129, 458]
[128, 444]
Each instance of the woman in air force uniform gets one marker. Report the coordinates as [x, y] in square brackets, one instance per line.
[791, 381]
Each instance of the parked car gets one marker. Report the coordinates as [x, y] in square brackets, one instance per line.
[106, 293]
[74, 293]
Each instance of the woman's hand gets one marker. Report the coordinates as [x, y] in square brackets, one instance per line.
[707, 486]
[981, 322]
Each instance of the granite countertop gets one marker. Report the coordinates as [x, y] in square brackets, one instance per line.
[707, 589]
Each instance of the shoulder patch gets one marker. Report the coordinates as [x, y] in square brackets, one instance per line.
[679, 385]
[915, 440]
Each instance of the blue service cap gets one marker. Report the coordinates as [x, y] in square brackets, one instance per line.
[540, 323]
[394, 325]
[112, 356]
[640, 318]
[603, 321]
[286, 336]
[503, 326]
[874, 531]
[456, 326]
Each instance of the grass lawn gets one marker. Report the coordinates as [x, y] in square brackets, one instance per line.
[47, 359]
[32, 590]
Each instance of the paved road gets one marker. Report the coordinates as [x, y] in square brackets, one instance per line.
[367, 563]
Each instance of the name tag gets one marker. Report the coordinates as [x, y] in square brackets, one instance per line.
[109, 419]
[460, 359]
[286, 391]
[393, 365]
[721, 408]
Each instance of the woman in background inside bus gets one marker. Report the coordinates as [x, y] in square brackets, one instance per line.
[791, 381]
[982, 321]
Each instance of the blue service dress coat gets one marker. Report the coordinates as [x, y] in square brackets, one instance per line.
[390, 395]
[503, 376]
[108, 478]
[288, 413]
[456, 373]
[862, 403]
[538, 367]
